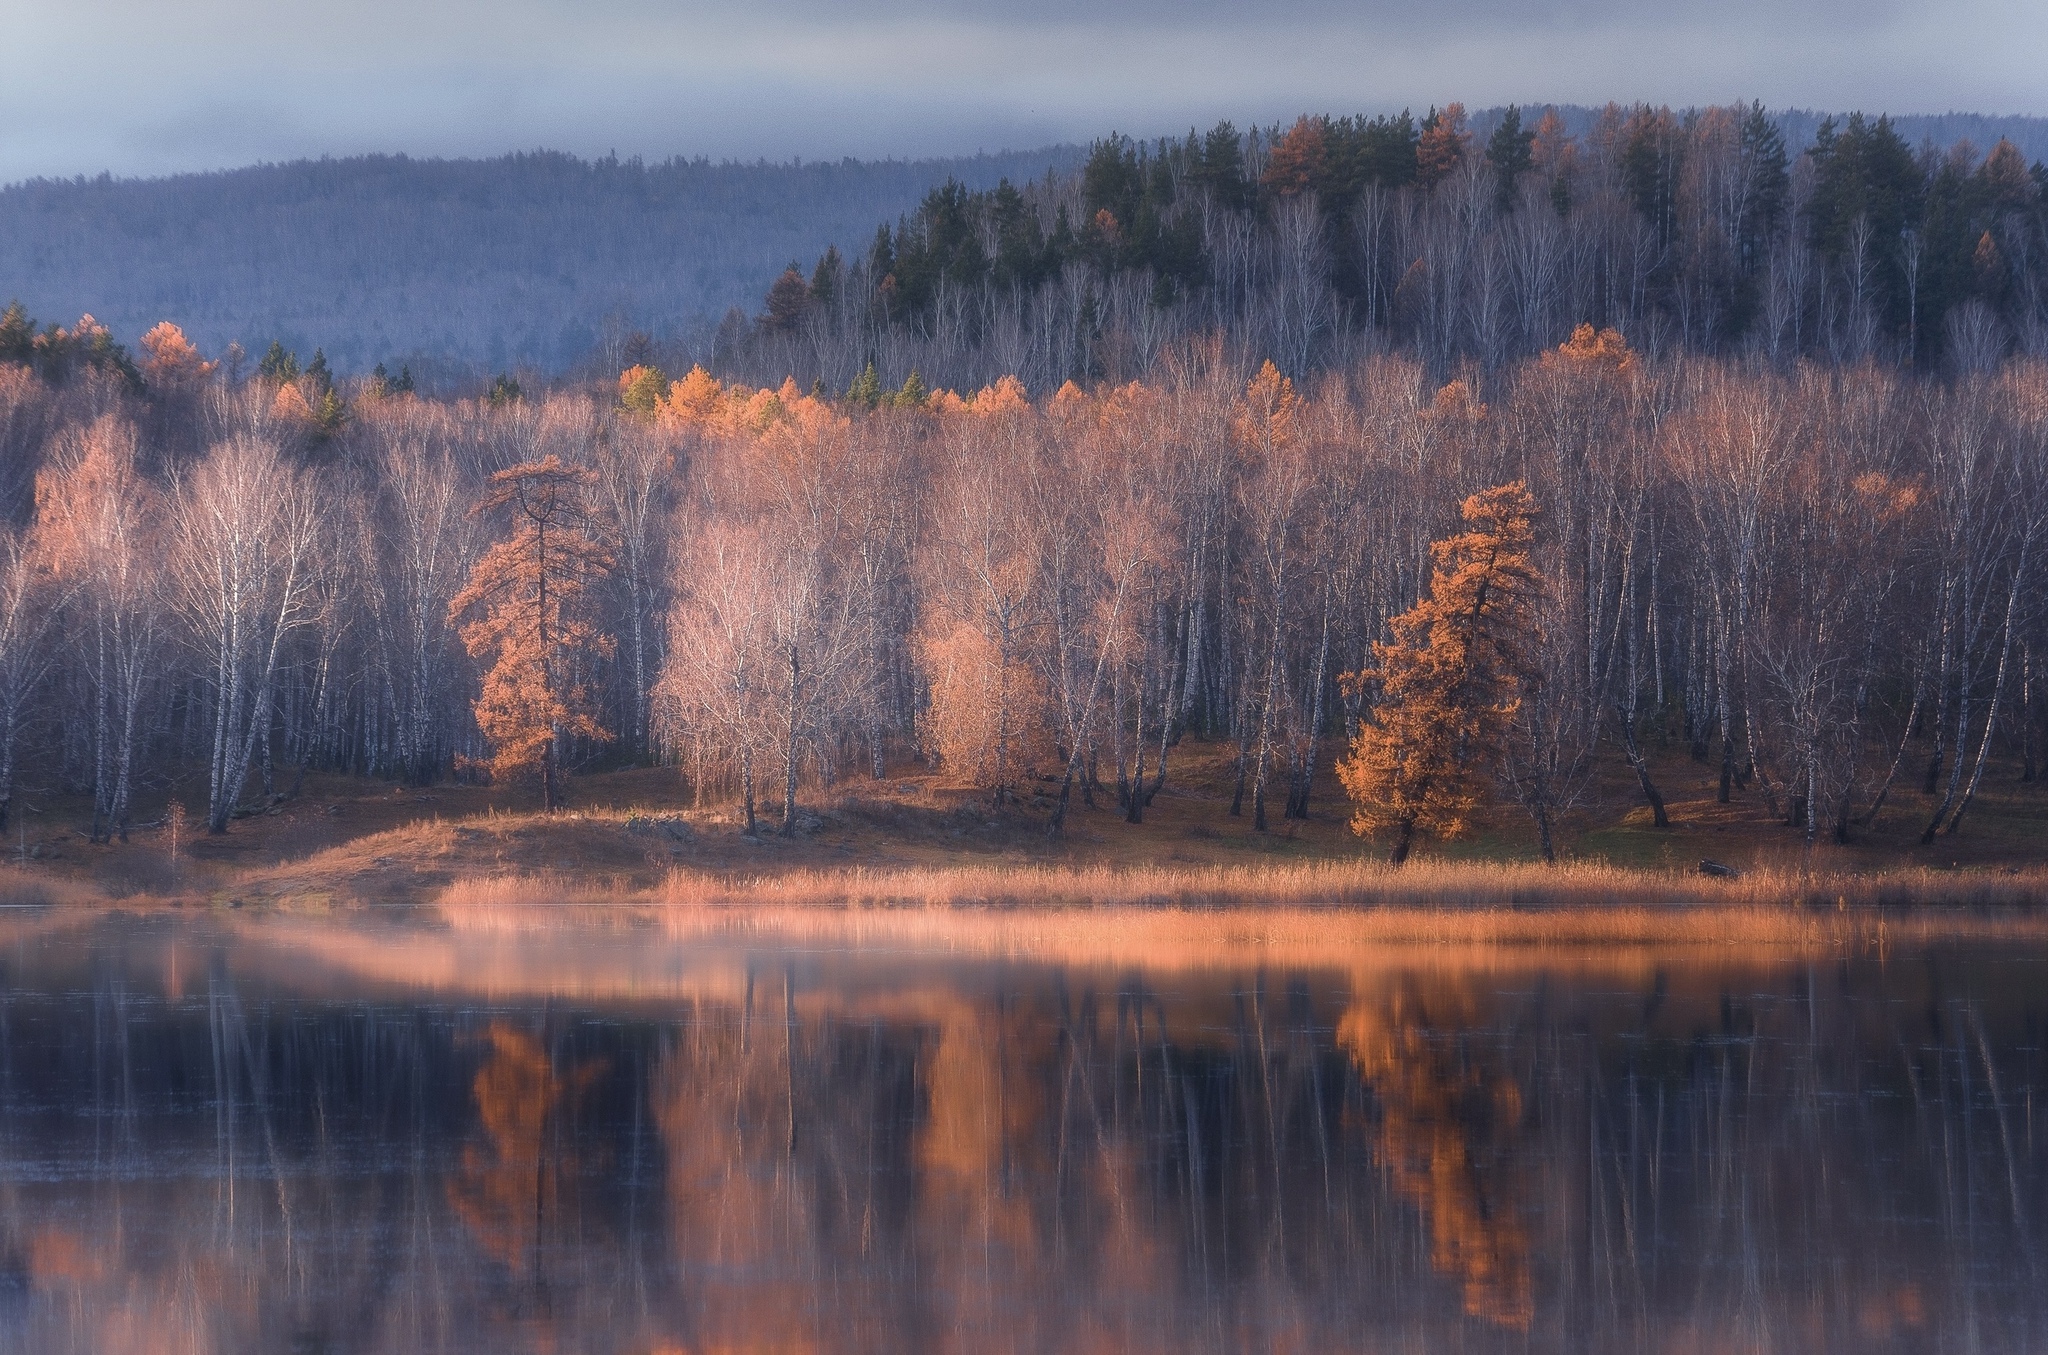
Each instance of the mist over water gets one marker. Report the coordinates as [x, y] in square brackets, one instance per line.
[300, 1137]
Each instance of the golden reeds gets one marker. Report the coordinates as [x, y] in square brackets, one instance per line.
[1324, 884]
[1296, 907]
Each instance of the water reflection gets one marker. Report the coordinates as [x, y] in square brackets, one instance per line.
[267, 1138]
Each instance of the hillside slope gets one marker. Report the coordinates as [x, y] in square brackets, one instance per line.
[487, 264]
[478, 266]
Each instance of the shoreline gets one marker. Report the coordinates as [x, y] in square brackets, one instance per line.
[1142, 913]
[1329, 885]
[1147, 913]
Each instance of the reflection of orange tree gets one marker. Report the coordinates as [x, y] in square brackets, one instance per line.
[1033, 1241]
[724, 1108]
[502, 1192]
[773, 1184]
[1440, 1113]
[765, 1188]
[982, 1132]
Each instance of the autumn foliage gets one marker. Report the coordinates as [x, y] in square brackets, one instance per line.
[528, 600]
[173, 362]
[1826, 580]
[641, 388]
[1448, 681]
[990, 718]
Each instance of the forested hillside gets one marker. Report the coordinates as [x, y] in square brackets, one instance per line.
[528, 260]
[543, 261]
[1462, 242]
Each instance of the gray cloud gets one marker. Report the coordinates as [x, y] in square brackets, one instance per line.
[139, 86]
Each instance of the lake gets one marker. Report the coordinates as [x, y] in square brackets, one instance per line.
[220, 1134]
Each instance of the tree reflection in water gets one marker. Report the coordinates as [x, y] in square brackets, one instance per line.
[256, 1140]
[1446, 1125]
[507, 1184]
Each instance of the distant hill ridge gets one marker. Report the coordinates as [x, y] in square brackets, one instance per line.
[529, 259]
[521, 259]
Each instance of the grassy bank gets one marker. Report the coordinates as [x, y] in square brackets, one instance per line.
[1442, 886]
[637, 840]
[1328, 903]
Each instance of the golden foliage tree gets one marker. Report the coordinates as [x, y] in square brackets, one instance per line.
[98, 522]
[1443, 144]
[1589, 350]
[1276, 479]
[173, 363]
[290, 406]
[527, 598]
[693, 401]
[1296, 162]
[990, 714]
[1448, 681]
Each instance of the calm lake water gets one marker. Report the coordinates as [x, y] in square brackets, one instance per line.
[287, 1137]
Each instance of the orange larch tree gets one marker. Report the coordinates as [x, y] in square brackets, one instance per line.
[1296, 162]
[1443, 144]
[173, 363]
[1449, 680]
[527, 600]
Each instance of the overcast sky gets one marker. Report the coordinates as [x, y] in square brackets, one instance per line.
[156, 86]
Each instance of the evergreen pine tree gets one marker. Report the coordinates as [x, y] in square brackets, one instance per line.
[17, 335]
[827, 277]
[278, 364]
[1508, 150]
[330, 413]
[1868, 184]
[866, 390]
[788, 298]
[641, 389]
[1770, 185]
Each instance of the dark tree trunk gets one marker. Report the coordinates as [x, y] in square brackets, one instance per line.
[1403, 840]
[1641, 767]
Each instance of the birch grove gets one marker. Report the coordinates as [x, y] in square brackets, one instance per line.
[1824, 582]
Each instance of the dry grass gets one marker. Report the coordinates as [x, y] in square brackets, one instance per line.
[1298, 909]
[22, 889]
[635, 846]
[1349, 884]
